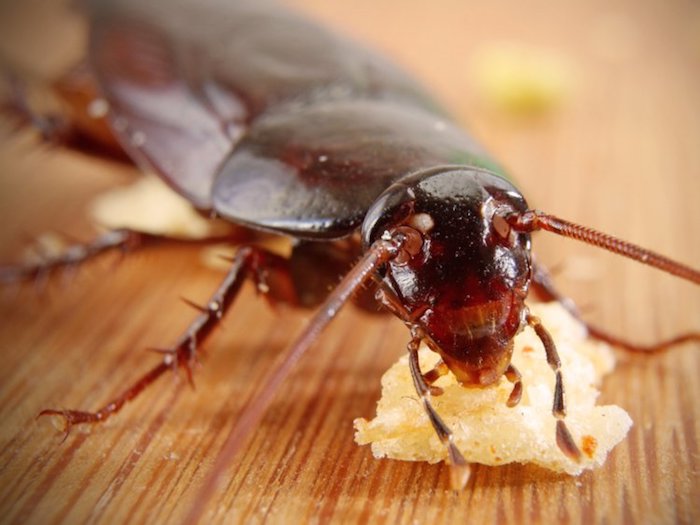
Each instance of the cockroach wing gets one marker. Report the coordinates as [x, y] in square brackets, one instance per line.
[314, 170]
[165, 118]
[184, 78]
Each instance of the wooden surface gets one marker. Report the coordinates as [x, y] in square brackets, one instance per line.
[621, 153]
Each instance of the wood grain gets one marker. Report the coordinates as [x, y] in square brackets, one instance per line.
[622, 154]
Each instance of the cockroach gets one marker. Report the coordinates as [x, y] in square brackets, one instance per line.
[262, 118]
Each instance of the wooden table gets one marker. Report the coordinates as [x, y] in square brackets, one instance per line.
[622, 153]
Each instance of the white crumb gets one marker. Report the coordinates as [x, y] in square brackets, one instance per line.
[149, 205]
[485, 429]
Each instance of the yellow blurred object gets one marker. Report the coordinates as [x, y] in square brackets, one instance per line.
[521, 80]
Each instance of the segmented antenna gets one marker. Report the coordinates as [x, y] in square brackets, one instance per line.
[533, 220]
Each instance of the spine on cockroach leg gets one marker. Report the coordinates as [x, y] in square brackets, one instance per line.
[246, 263]
[121, 241]
[16, 105]
[376, 256]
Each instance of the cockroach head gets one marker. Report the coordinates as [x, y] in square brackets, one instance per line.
[467, 202]
[462, 273]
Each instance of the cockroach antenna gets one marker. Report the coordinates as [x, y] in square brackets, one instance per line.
[534, 220]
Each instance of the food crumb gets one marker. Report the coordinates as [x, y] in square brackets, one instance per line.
[485, 429]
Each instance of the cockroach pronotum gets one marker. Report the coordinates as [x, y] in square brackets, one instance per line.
[276, 124]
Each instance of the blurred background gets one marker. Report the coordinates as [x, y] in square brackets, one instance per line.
[593, 106]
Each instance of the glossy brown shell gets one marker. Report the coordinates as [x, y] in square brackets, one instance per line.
[265, 118]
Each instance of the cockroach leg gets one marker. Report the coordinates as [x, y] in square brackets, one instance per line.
[122, 241]
[249, 262]
[77, 417]
[460, 469]
[543, 285]
[392, 303]
[53, 128]
[440, 369]
[376, 256]
[564, 440]
[74, 255]
[72, 112]
[513, 375]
